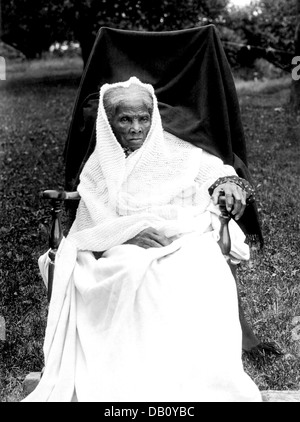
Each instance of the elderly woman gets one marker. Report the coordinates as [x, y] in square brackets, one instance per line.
[142, 295]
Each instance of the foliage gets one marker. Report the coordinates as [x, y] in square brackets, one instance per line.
[33, 26]
[268, 25]
[36, 110]
[276, 20]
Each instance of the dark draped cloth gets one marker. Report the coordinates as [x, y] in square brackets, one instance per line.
[194, 87]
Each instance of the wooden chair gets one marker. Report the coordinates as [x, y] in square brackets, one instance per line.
[198, 55]
[175, 63]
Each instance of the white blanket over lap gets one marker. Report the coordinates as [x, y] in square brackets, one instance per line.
[158, 324]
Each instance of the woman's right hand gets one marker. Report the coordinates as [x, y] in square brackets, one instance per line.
[149, 238]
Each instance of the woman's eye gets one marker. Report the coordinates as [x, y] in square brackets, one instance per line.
[124, 119]
[145, 119]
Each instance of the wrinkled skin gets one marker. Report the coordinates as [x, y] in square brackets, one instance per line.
[150, 238]
[131, 123]
[235, 198]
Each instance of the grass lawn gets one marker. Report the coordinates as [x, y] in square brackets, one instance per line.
[36, 102]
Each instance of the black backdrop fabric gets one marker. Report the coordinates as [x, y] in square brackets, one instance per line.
[194, 86]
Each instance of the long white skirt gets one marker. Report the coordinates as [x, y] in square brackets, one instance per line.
[151, 325]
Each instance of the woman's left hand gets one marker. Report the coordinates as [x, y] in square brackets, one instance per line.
[235, 198]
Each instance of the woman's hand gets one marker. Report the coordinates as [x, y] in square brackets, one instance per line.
[235, 198]
[149, 238]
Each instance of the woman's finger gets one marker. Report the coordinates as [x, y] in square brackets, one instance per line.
[216, 194]
[235, 198]
[161, 238]
[154, 238]
[150, 243]
[239, 202]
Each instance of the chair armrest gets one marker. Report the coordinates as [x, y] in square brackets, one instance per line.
[224, 241]
[60, 195]
[56, 198]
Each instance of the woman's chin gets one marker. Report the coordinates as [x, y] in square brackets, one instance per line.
[135, 144]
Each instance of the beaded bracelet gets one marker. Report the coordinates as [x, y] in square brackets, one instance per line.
[242, 183]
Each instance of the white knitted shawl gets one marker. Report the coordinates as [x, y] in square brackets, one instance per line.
[163, 184]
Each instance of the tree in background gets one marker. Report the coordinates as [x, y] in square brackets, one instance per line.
[33, 26]
[268, 26]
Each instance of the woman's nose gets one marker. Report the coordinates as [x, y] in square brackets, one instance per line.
[136, 127]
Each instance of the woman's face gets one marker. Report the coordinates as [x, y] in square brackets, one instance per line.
[131, 122]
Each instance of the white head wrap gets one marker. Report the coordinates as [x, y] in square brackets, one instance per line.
[121, 196]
